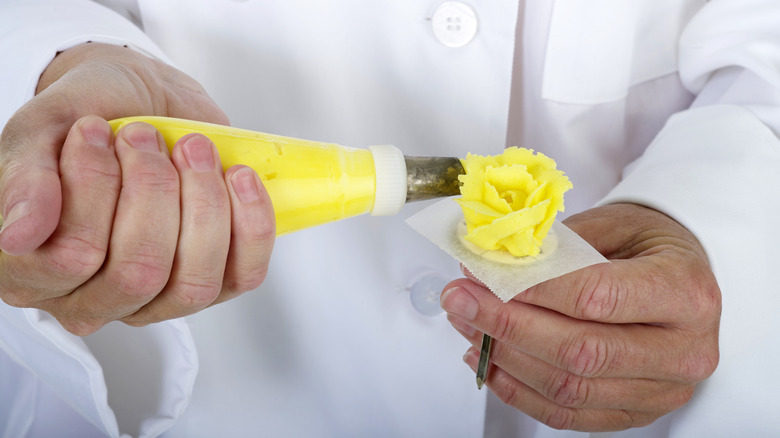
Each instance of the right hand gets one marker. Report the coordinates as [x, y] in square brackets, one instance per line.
[100, 229]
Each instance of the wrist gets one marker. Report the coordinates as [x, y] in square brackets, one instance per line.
[82, 54]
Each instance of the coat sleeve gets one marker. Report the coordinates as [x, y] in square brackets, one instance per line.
[52, 381]
[714, 168]
[32, 32]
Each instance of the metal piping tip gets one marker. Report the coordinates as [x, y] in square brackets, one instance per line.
[432, 177]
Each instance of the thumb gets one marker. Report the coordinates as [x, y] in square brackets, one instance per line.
[30, 192]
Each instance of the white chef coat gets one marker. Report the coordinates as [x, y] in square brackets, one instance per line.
[668, 103]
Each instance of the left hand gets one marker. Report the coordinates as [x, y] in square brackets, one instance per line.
[608, 347]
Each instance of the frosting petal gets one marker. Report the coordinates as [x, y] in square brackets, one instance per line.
[510, 200]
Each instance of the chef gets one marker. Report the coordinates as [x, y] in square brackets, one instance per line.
[129, 310]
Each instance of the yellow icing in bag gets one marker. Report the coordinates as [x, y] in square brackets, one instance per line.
[310, 183]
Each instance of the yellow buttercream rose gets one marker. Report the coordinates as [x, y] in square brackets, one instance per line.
[510, 200]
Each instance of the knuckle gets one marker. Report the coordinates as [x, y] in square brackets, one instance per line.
[680, 398]
[140, 279]
[202, 209]
[568, 390]
[18, 298]
[165, 183]
[508, 394]
[700, 292]
[196, 293]
[587, 355]
[636, 420]
[142, 270]
[707, 302]
[563, 418]
[17, 132]
[75, 257]
[248, 279]
[255, 222]
[504, 325]
[155, 177]
[80, 327]
[11, 292]
[622, 419]
[559, 418]
[135, 321]
[599, 303]
[91, 169]
[261, 231]
[255, 229]
[698, 366]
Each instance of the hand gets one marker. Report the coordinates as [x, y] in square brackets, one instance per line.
[100, 229]
[608, 347]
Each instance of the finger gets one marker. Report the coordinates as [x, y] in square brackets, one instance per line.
[570, 390]
[30, 193]
[143, 240]
[652, 289]
[471, 276]
[622, 231]
[668, 288]
[253, 233]
[584, 348]
[204, 238]
[76, 250]
[91, 180]
[524, 398]
[657, 274]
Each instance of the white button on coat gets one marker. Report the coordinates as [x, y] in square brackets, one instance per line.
[454, 24]
[425, 293]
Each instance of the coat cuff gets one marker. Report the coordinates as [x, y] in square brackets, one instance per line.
[712, 169]
[59, 25]
[122, 379]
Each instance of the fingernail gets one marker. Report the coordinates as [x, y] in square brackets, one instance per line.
[198, 153]
[459, 301]
[96, 133]
[471, 356]
[142, 137]
[245, 185]
[18, 211]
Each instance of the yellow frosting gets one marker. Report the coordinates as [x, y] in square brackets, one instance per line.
[510, 200]
[309, 183]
